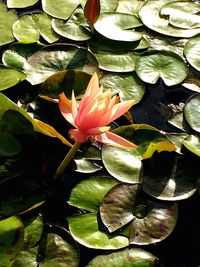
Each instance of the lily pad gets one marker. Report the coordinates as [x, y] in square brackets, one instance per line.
[7, 19]
[151, 17]
[133, 257]
[183, 14]
[178, 121]
[28, 28]
[73, 28]
[85, 230]
[172, 183]
[20, 3]
[192, 143]
[121, 26]
[130, 6]
[192, 52]
[10, 77]
[123, 164]
[89, 193]
[11, 235]
[192, 112]
[86, 166]
[60, 9]
[54, 58]
[10, 146]
[128, 86]
[152, 65]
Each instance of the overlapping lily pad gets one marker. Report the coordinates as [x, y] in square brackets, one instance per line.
[192, 143]
[121, 26]
[192, 112]
[85, 230]
[89, 193]
[167, 65]
[7, 19]
[151, 17]
[130, 6]
[192, 52]
[133, 257]
[54, 58]
[20, 3]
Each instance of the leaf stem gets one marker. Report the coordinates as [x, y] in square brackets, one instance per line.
[66, 161]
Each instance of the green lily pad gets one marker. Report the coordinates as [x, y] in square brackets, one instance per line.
[33, 228]
[7, 19]
[152, 65]
[17, 54]
[54, 58]
[133, 257]
[128, 86]
[73, 28]
[26, 258]
[121, 26]
[86, 166]
[192, 143]
[178, 121]
[158, 223]
[192, 52]
[39, 126]
[60, 9]
[10, 77]
[151, 17]
[11, 236]
[20, 3]
[123, 164]
[130, 6]
[177, 139]
[85, 230]
[65, 81]
[192, 81]
[28, 28]
[10, 146]
[183, 14]
[116, 209]
[192, 112]
[89, 193]
[175, 182]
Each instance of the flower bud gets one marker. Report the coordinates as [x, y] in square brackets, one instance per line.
[92, 11]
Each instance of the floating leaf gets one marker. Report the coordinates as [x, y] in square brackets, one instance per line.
[7, 19]
[84, 229]
[11, 236]
[10, 146]
[192, 143]
[183, 14]
[10, 77]
[20, 3]
[128, 86]
[121, 26]
[192, 52]
[86, 166]
[54, 58]
[133, 257]
[165, 64]
[89, 193]
[151, 17]
[61, 9]
[192, 112]
[39, 126]
[72, 28]
[131, 7]
[172, 182]
[178, 121]
[123, 164]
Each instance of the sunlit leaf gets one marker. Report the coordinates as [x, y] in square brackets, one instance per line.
[152, 65]
[20, 3]
[192, 143]
[133, 257]
[89, 193]
[121, 26]
[10, 77]
[61, 9]
[7, 19]
[192, 112]
[11, 236]
[84, 229]
[131, 7]
[192, 52]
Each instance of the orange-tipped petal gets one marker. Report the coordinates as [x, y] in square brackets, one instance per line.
[65, 107]
[112, 139]
[74, 106]
[98, 130]
[78, 135]
[122, 108]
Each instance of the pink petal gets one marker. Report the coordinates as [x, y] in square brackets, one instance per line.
[65, 107]
[122, 108]
[78, 135]
[112, 139]
[74, 106]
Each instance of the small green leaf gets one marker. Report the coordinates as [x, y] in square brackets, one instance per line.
[85, 230]
[89, 193]
[152, 65]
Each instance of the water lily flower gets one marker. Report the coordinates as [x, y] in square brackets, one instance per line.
[92, 11]
[96, 110]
